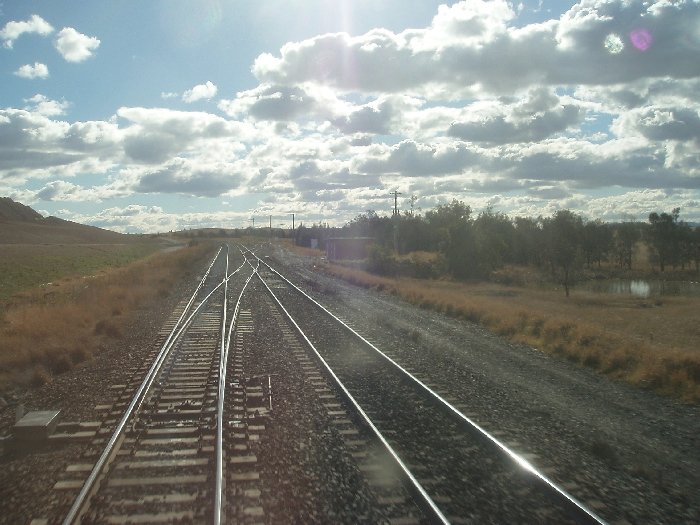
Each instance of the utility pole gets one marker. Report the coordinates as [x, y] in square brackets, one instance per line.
[413, 202]
[396, 194]
[292, 222]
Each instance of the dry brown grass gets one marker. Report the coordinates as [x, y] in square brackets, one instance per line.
[41, 336]
[651, 344]
[301, 250]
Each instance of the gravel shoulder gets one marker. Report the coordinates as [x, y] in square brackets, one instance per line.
[631, 455]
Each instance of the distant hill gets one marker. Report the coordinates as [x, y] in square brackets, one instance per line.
[15, 211]
[20, 224]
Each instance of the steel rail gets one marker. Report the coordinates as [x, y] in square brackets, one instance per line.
[219, 503]
[580, 512]
[218, 507]
[425, 501]
[77, 508]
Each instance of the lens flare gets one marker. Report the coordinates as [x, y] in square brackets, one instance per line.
[641, 39]
[613, 44]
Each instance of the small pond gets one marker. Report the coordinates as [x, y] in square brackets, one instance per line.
[642, 287]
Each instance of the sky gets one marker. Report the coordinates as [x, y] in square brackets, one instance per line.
[170, 114]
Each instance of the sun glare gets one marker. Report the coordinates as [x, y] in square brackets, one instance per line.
[614, 44]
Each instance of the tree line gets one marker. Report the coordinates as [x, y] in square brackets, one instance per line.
[473, 246]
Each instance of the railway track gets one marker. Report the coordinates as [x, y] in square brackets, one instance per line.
[455, 469]
[163, 461]
[295, 455]
[261, 406]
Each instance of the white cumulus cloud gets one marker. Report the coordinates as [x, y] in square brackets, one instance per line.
[540, 115]
[75, 46]
[156, 135]
[199, 92]
[38, 70]
[283, 103]
[463, 52]
[46, 107]
[13, 30]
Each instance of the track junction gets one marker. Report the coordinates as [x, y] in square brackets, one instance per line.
[260, 405]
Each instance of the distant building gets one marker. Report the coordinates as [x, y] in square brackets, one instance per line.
[347, 248]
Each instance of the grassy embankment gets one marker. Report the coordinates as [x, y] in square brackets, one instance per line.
[23, 267]
[651, 343]
[49, 329]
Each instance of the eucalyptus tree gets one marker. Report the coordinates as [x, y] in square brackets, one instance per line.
[564, 234]
[664, 237]
[596, 241]
[624, 239]
[494, 234]
[451, 227]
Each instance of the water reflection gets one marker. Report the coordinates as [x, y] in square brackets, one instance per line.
[638, 288]
[644, 288]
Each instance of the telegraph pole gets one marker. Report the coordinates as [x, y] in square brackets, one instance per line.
[396, 194]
